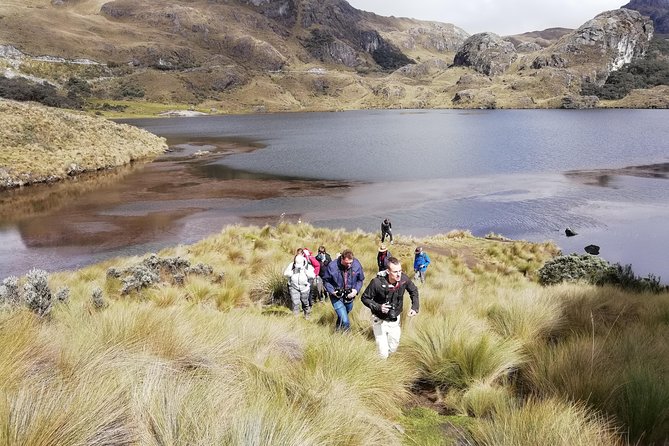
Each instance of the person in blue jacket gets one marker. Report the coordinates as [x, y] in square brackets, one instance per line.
[420, 263]
[343, 280]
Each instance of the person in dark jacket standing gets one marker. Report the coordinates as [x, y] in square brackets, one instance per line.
[385, 297]
[343, 280]
[324, 259]
[382, 257]
[386, 229]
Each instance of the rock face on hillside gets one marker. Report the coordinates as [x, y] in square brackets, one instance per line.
[433, 36]
[601, 45]
[486, 53]
[657, 10]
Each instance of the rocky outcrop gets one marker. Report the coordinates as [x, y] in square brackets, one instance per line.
[486, 53]
[438, 37]
[601, 45]
[336, 22]
[657, 10]
[423, 69]
[528, 47]
[482, 99]
[579, 102]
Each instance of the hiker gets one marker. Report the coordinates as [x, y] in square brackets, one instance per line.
[343, 279]
[385, 297]
[298, 273]
[311, 259]
[382, 257]
[420, 263]
[324, 259]
[386, 229]
[317, 269]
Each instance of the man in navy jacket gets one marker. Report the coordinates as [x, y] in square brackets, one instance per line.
[343, 280]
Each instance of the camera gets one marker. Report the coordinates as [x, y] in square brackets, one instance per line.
[342, 293]
[392, 311]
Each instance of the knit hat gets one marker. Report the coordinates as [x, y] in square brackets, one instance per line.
[419, 249]
[383, 248]
[300, 262]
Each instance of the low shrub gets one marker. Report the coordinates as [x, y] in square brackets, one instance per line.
[23, 90]
[597, 271]
[573, 268]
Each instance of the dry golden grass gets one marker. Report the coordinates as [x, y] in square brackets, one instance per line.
[209, 362]
[38, 143]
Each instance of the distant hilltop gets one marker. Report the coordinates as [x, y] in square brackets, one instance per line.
[239, 56]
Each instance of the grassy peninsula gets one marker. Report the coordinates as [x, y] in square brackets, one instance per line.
[42, 144]
[205, 352]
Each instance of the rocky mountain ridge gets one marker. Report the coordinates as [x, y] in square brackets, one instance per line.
[657, 10]
[276, 55]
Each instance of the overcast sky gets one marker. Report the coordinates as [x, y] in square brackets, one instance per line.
[503, 17]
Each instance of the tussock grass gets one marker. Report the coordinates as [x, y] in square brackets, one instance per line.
[545, 422]
[207, 361]
[529, 316]
[481, 400]
[459, 350]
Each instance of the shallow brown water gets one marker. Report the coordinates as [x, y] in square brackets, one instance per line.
[175, 199]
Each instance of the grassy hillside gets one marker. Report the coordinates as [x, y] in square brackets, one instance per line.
[209, 353]
[40, 144]
[144, 57]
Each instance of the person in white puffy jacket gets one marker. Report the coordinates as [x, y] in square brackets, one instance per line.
[298, 272]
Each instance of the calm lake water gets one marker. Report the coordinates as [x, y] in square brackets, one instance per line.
[521, 173]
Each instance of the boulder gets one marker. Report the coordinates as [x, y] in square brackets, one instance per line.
[482, 99]
[486, 53]
[592, 249]
[528, 47]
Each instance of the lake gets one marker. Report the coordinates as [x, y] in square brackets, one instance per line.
[524, 174]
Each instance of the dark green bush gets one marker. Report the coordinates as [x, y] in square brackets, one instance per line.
[77, 88]
[127, 89]
[624, 277]
[597, 271]
[573, 268]
[19, 89]
[390, 58]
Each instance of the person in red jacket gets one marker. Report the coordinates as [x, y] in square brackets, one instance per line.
[316, 283]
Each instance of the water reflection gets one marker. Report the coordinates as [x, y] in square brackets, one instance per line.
[181, 196]
[42, 199]
[607, 177]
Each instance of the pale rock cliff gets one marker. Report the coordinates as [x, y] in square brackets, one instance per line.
[601, 45]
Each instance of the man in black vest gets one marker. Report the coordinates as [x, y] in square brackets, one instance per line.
[385, 297]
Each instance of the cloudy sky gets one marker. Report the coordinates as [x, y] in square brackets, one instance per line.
[503, 17]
